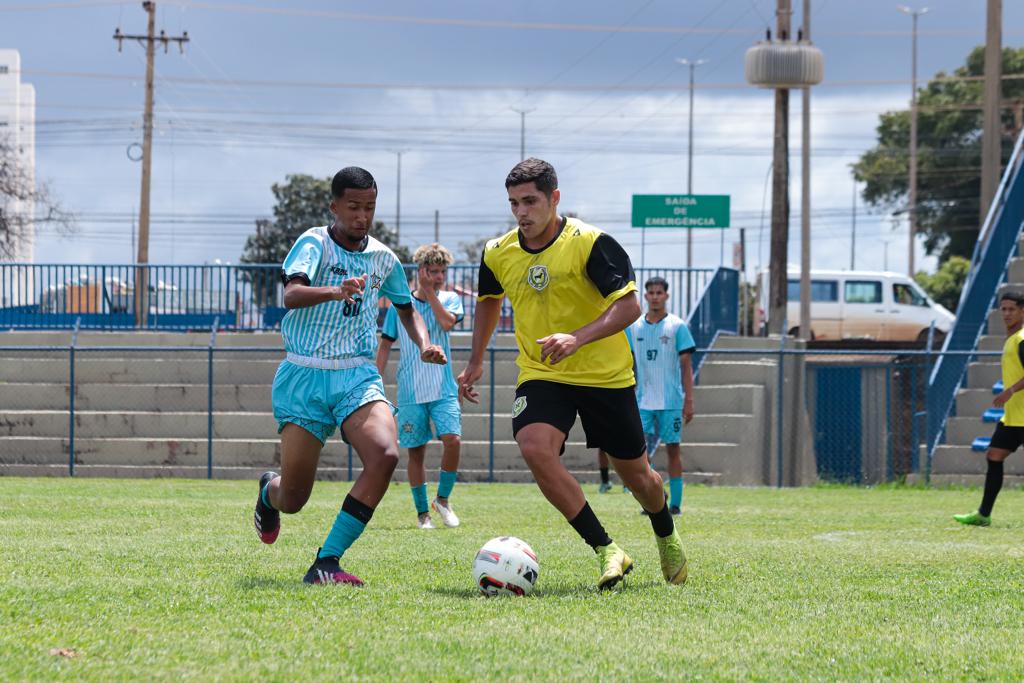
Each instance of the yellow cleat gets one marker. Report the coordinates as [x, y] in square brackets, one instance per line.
[615, 564]
[674, 566]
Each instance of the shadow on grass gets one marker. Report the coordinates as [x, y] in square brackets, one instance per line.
[249, 583]
[579, 590]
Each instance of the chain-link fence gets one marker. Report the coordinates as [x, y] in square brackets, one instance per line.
[764, 415]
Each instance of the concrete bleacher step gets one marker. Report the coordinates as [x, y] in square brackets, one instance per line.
[197, 339]
[733, 372]
[961, 460]
[961, 431]
[983, 375]
[265, 453]
[180, 397]
[324, 473]
[971, 402]
[184, 368]
[186, 426]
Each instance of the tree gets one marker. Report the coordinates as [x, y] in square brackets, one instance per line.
[949, 154]
[947, 282]
[473, 250]
[24, 204]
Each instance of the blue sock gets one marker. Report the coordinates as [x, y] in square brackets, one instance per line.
[419, 498]
[265, 496]
[675, 489]
[446, 483]
[348, 525]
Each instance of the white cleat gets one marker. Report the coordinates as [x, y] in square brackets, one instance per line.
[448, 516]
[425, 522]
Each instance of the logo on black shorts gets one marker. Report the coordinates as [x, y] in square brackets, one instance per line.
[538, 277]
[519, 406]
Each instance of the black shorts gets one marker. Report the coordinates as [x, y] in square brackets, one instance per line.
[1007, 438]
[610, 417]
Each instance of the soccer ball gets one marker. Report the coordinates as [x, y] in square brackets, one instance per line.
[505, 566]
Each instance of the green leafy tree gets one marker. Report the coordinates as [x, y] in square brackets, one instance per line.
[949, 154]
[302, 202]
[947, 282]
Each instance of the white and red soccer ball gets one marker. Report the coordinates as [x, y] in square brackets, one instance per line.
[505, 566]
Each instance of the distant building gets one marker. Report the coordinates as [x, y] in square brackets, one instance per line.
[18, 127]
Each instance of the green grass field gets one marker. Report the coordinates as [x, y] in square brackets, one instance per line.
[165, 579]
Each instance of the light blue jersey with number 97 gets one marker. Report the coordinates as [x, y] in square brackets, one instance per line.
[339, 329]
[656, 347]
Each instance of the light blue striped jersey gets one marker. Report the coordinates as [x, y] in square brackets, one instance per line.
[656, 347]
[420, 382]
[338, 329]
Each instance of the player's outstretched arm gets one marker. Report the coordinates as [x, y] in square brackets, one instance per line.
[298, 294]
[485, 320]
[621, 314]
[413, 323]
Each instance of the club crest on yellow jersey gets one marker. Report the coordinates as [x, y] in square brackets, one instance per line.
[538, 277]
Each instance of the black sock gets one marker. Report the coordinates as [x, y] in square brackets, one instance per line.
[993, 482]
[588, 526]
[661, 522]
[604, 475]
[360, 511]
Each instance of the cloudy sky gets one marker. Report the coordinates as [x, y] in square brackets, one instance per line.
[269, 88]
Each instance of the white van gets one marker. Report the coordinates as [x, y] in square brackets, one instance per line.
[854, 304]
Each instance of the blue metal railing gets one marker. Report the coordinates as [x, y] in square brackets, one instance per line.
[191, 297]
[997, 244]
[716, 311]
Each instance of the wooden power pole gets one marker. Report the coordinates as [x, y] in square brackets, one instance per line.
[779, 257]
[991, 136]
[149, 42]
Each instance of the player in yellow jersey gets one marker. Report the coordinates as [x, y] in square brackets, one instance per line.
[573, 293]
[1009, 433]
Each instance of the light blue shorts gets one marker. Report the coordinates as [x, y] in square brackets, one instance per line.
[414, 421]
[319, 400]
[667, 425]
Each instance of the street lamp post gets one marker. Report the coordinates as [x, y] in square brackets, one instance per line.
[912, 204]
[692, 64]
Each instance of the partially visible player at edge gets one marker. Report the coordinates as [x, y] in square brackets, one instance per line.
[427, 393]
[1009, 433]
[663, 348]
[573, 292]
[333, 277]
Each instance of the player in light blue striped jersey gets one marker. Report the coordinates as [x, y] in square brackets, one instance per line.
[334, 276]
[663, 348]
[428, 393]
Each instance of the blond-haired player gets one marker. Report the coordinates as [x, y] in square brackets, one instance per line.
[428, 394]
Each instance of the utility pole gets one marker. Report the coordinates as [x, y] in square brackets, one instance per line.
[398, 201]
[692, 64]
[437, 226]
[779, 257]
[912, 205]
[522, 130]
[991, 137]
[805, 196]
[149, 41]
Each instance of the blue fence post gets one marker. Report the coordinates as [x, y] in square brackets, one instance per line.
[209, 399]
[71, 399]
[781, 404]
[490, 460]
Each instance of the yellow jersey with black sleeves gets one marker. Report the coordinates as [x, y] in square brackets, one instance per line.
[1013, 372]
[561, 287]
